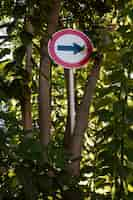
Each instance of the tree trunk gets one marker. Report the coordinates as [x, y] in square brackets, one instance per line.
[81, 124]
[44, 77]
[27, 107]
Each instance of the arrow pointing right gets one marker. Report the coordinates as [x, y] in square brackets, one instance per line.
[75, 48]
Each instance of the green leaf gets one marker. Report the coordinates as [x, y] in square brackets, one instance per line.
[4, 52]
[19, 10]
[118, 107]
[130, 196]
[116, 76]
[106, 155]
[129, 153]
[104, 115]
[130, 134]
[129, 115]
[101, 103]
[9, 67]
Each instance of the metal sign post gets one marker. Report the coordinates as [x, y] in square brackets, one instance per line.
[72, 100]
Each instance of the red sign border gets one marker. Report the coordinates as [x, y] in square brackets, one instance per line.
[53, 55]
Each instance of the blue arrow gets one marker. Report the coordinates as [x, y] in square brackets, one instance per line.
[76, 48]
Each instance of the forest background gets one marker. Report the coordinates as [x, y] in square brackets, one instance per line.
[39, 158]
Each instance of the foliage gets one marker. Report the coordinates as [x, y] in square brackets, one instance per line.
[107, 161]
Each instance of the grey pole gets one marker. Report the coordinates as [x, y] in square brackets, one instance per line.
[72, 100]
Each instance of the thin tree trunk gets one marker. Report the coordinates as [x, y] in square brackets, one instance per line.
[82, 121]
[44, 77]
[27, 107]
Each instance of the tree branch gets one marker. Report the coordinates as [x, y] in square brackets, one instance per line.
[83, 111]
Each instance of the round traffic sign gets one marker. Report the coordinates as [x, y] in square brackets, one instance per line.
[70, 48]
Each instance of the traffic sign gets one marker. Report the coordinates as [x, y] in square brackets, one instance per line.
[70, 48]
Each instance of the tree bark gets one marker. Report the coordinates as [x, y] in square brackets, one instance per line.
[44, 77]
[81, 123]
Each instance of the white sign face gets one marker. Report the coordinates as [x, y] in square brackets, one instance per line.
[69, 41]
[70, 48]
